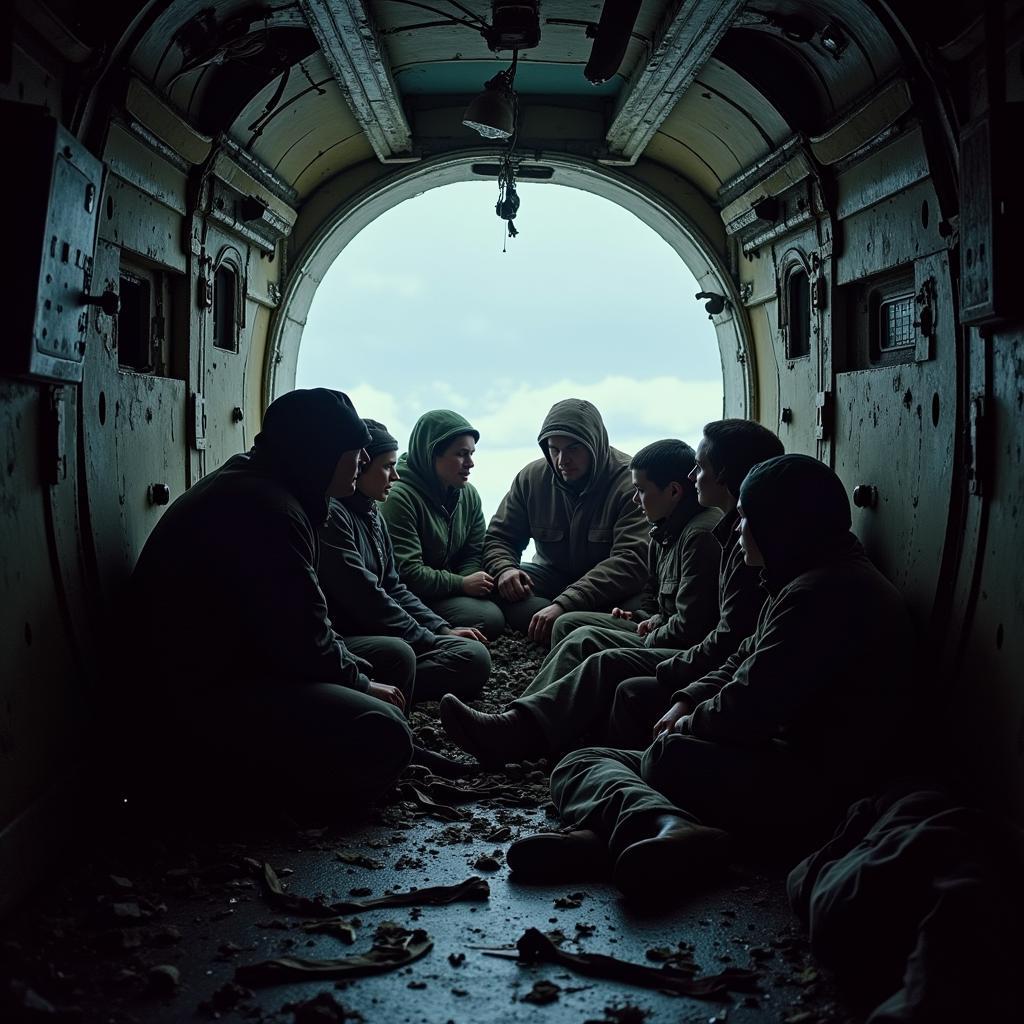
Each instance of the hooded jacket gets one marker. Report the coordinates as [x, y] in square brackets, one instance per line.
[595, 536]
[365, 596]
[225, 591]
[437, 531]
[828, 668]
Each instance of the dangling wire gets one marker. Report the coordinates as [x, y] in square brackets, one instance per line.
[507, 205]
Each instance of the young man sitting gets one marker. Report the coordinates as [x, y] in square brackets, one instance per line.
[728, 451]
[797, 722]
[381, 620]
[679, 607]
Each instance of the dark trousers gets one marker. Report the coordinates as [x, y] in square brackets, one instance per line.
[452, 665]
[297, 743]
[480, 612]
[619, 794]
[548, 583]
[579, 703]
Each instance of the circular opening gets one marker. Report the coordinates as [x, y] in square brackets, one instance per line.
[999, 637]
[925, 214]
[441, 260]
[103, 408]
[935, 409]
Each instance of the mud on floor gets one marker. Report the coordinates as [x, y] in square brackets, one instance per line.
[145, 923]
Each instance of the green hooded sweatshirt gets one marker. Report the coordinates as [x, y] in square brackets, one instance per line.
[437, 531]
[595, 536]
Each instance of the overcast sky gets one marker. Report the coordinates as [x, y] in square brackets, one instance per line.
[423, 310]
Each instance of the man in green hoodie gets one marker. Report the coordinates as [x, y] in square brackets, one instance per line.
[436, 524]
[576, 503]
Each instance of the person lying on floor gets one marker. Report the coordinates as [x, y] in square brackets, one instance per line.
[794, 725]
[436, 523]
[249, 687]
[583, 679]
[576, 503]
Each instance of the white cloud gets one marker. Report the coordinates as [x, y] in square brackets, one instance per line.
[632, 408]
[406, 285]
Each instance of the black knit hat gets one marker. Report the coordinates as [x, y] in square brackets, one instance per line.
[380, 440]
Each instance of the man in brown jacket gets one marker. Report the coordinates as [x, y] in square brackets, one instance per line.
[577, 505]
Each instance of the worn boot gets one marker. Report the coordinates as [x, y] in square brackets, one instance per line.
[494, 740]
[678, 850]
[559, 857]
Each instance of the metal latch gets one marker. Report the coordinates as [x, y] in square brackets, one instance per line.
[823, 415]
[54, 463]
[976, 440]
[197, 421]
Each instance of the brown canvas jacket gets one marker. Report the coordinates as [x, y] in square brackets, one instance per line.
[741, 596]
[682, 590]
[597, 537]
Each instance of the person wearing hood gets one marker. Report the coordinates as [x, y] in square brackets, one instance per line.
[576, 503]
[679, 605]
[436, 523]
[800, 720]
[244, 671]
[381, 620]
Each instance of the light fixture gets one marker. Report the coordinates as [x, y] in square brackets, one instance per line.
[492, 112]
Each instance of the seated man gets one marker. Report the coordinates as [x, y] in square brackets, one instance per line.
[728, 451]
[802, 718]
[379, 617]
[576, 503]
[244, 672]
[558, 715]
[437, 524]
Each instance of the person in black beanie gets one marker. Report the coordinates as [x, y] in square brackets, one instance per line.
[800, 720]
[407, 644]
[248, 687]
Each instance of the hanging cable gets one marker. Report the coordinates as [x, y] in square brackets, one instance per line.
[507, 205]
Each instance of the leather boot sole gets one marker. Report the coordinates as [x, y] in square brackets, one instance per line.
[458, 726]
[559, 856]
[665, 863]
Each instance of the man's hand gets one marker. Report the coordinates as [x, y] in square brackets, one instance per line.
[668, 721]
[466, 632]
[388, 694]
[541, 623]
[514, 584]
[646, 626]
[621, 613]
[477, 584]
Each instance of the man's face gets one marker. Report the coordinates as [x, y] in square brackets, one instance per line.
[571, 458]
[656, 502]
[751, 552]
[346, 472]
[378, 475]
[455, 463]
[711, 493]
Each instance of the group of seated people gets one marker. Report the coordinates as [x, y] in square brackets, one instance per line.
[710, 619]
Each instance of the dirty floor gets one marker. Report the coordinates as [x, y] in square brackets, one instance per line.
[160, 924]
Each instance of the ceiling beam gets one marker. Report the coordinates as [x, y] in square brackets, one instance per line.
[345, 32]
[684, 42]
